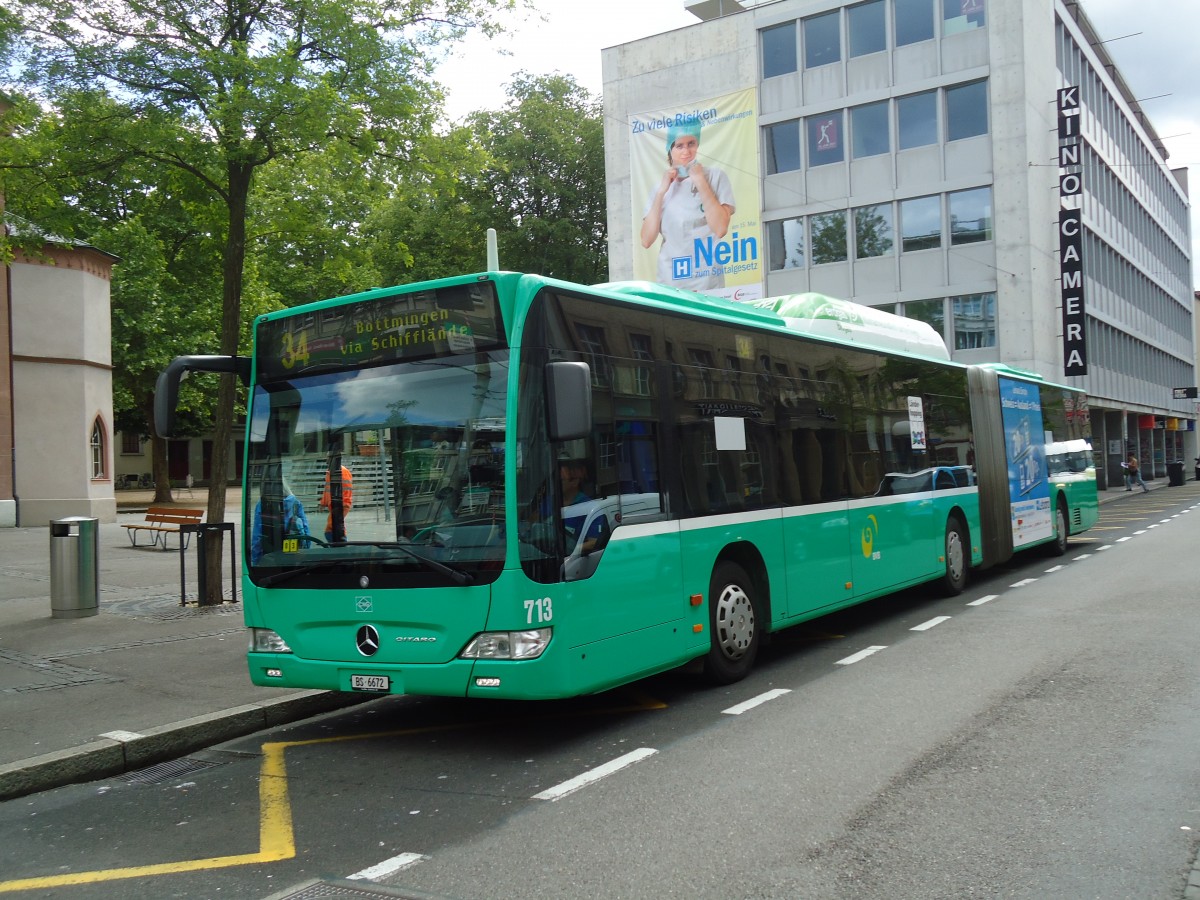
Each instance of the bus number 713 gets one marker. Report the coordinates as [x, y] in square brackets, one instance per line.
[541, 608]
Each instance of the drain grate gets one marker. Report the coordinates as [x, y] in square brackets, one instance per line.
[328, 890]
[168, 771]
[166, 608]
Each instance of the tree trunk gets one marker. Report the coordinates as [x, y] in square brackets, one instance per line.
[160, 471]
[231, 316]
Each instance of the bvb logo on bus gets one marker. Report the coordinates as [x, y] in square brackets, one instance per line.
[868, 538]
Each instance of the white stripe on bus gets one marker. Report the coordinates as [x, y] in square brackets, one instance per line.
[633, 530]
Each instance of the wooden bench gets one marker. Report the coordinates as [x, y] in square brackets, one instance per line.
[162, 521]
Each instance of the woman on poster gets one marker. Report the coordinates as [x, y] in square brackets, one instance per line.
[689, 202]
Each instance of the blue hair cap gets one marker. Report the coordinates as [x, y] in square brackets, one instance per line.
[675, 132]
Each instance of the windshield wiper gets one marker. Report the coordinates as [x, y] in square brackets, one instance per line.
[458, 576]
[287, 574]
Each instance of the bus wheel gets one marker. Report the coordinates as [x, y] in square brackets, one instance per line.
[734, 624]
[1061, 530]
[957, 560]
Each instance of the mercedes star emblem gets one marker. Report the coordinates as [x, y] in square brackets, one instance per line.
[367, 640]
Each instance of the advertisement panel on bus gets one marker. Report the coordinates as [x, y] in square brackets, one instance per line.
[1028, 488]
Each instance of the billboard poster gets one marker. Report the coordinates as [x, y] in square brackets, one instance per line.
[694, 178]
[1024, 449]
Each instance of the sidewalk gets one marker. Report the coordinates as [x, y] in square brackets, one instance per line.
[139, 500]
[146, 679]
[143, 681]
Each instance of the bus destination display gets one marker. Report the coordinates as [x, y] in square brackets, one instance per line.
[441, 322]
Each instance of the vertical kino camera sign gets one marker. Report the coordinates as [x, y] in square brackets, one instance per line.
[1070, 234]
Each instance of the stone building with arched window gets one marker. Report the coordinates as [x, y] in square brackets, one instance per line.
[56, 413]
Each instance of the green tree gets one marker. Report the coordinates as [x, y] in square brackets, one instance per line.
[218, 90]
[533, 170]
[828, 237]
[873, 231]
[306, 237]
[547, 178]
[435, 224]
[168, 263]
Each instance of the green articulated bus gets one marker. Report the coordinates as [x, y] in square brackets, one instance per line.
[503, 485]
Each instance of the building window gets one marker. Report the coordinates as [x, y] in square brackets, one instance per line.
[913, 20]
[874, 232]
[869, 131]
[825, 143]
[594, 346]
[963, 15]
[779, 50]
[828, 237]
[971, 216]
[931, 312]
[131, 443]
[966, 111]
[98, 454]
[867, 28]
[703, 362]
[642, 348]
[916, 116]
[822, 40]
[974, 318]
[783, 147]
[920, 224]
[785, 244]
[733, 376]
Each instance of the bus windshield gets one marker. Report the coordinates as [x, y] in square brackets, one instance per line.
[393, 473]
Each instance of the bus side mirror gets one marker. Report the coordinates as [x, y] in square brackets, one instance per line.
[166, 389]
[569, 400]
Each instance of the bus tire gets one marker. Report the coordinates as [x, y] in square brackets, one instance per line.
[1062, 531]
[958, 559]
[734, 623]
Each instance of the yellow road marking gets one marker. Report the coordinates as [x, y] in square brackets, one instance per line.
[276, 837]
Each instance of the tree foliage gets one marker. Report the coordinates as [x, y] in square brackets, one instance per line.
[547, 178]
[533, 170]
[218, 90]
[241, 156]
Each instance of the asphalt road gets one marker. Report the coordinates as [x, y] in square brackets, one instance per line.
[1035, 737]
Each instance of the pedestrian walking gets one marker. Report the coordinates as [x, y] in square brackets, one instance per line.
[1133, 474]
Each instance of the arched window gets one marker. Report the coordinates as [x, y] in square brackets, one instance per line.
[98, 454]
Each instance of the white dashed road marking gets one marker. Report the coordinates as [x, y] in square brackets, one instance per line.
[592, 775]
[740, 708]
[387, 867]
[925, 626]
[857, 657]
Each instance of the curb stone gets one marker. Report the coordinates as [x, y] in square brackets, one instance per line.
[118, 754]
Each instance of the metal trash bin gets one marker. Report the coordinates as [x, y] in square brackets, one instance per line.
[74, 567]
[1175, 474]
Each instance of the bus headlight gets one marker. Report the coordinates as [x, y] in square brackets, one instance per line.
[508, 644]
[264, 640]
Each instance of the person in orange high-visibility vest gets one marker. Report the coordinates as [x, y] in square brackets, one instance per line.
[327, 503]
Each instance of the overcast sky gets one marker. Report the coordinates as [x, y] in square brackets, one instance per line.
[1152, 42]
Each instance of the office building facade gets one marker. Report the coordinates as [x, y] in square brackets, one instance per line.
[976, 164]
